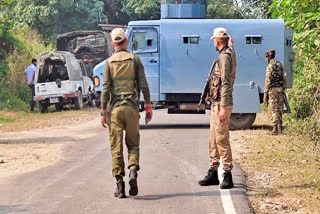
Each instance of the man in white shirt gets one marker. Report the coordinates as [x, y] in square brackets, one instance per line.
[30, 72]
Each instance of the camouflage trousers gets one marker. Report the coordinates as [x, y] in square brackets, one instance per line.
[124, 118]
[276, 104]
[219, 144]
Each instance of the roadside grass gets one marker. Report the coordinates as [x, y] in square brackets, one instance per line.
[21, 121]
[283, 171]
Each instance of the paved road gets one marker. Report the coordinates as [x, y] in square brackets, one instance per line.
[174, 155]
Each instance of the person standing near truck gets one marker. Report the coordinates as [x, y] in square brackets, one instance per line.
[30, 72]
[220, 95]
[124, 78]
[274, 86]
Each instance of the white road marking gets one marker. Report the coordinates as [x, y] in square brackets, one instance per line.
[225, 194]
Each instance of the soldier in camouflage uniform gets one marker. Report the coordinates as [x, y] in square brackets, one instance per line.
[220, 95]
[275, 84]
[123, 77]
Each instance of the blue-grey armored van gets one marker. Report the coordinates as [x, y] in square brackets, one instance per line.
[177, 53]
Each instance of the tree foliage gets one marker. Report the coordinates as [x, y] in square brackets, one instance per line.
[52, 17]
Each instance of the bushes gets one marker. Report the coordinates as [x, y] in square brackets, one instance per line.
[14, 92]
[303, 18]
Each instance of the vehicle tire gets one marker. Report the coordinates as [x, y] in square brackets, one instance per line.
[78, 101]
[59, 106]
[43, 108]
[241, 121]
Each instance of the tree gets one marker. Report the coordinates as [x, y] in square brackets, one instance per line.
[52, 17]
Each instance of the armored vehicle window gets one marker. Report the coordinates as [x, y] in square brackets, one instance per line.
[190, 39]
[149, 42]
[248, 40]
[140, 40]
[256, 40]
[194, 40]
[289, 42]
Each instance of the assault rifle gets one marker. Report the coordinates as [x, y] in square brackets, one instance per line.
[206, 86]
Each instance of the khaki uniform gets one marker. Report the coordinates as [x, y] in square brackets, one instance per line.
[274, 86]
[219, 144]
[124, 77]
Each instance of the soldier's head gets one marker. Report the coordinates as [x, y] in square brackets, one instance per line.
[220, 38]
[118, 39]
[270, 54]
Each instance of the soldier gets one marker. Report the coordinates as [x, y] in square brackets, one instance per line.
[220, 95]
[274, 86]
[124, 77]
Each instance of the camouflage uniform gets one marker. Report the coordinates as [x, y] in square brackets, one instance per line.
[275, 83]
[124, 77]
[219, 144]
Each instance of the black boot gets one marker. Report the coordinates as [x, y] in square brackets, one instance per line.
[120, 191]
[133, 175]
[210, 179]
[227, 182]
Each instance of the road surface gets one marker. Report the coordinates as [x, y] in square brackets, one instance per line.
[174, 156]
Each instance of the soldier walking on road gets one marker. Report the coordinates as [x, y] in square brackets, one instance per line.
[274, 86]
[124, 77]
[220, 95]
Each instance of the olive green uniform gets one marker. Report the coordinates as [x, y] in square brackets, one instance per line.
[124, 78]
[219, 144]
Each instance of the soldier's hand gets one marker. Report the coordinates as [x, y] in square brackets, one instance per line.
[104, 121]
[222, 113]
[148, 111]
[264, 99]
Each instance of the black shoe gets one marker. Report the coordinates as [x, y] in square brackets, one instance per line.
[120, 191]
[210, 179]
[227, 182]
[133, 175]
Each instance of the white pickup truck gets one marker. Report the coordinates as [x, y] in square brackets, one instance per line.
[61, 79]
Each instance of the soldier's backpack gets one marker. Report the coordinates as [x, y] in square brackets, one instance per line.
[277, 76]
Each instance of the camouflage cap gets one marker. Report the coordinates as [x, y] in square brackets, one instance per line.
[118, 35]
[219, 32]
[269, 53]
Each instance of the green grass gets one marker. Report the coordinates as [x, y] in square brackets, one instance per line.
[6, 119]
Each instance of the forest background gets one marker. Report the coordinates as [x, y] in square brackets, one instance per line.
[29, 28]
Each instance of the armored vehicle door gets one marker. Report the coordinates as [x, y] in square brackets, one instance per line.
[144, 42]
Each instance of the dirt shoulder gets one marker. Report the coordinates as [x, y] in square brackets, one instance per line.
[29, 141]
[282, 171]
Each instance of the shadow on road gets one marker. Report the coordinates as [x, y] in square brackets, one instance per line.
[185, 194]
[258, 127]
[38, 140]
[175, 126]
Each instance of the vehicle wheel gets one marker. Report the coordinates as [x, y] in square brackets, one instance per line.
[78, 101]
[58, 106]
[43, 108]
[242, 121]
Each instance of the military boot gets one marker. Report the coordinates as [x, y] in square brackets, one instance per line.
[210, 179]
[133, 175]
[274, 130]
[120, 191]
[227, 182]
[279, 128]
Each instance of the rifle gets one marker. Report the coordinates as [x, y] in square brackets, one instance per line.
[206, 86]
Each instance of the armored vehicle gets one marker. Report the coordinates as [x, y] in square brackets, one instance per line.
[177, 53]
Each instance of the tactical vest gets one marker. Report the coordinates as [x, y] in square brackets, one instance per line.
[215, 83]
[121, 66]
[276, 74]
